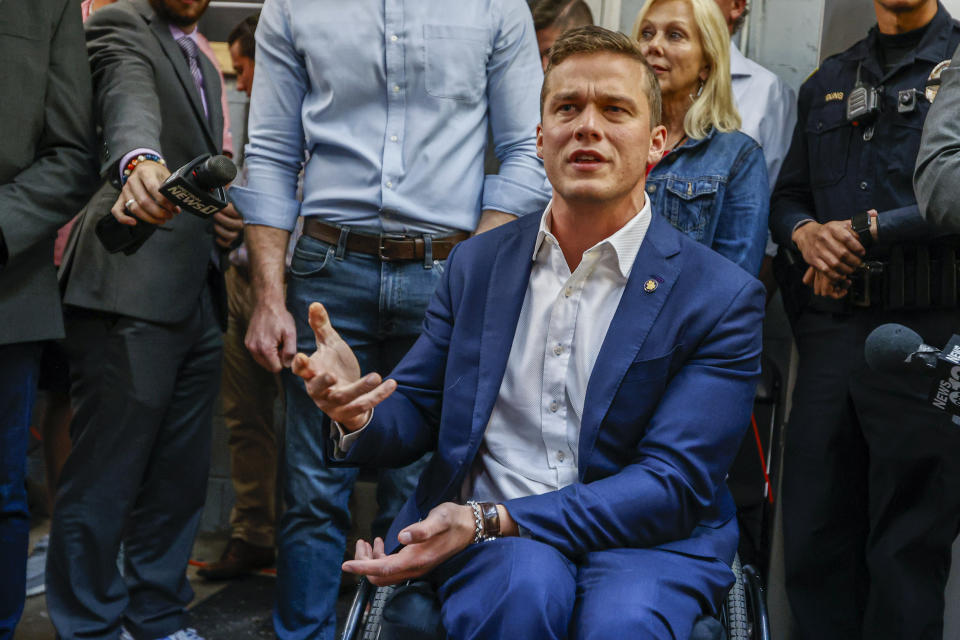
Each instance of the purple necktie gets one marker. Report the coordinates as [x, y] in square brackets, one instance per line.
[190, 52]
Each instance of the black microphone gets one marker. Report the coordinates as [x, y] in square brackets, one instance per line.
[196, 187]
[894, 348]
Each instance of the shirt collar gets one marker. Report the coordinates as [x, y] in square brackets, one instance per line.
[625, 242]
[178, 33]
[738, 62]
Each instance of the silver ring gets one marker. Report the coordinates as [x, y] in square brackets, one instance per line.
[129, 203]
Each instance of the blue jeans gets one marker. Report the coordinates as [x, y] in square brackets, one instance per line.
[377, 307]
[19, 368]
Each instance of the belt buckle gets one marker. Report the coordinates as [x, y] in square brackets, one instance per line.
[860, 297]
[384, 238]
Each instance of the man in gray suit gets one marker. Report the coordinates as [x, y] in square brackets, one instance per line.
[143, 337]
[47, 171]
[938, 163]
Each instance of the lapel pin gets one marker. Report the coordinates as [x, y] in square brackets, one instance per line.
[650, 285]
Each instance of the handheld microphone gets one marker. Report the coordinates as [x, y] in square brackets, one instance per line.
[894, 348]
[196, 187]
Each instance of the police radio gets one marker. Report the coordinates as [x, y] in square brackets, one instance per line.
[863, 103]
[196, 187]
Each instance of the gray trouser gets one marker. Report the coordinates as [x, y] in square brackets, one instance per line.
[143, 394]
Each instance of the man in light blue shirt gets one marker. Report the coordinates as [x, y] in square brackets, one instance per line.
[392, 101]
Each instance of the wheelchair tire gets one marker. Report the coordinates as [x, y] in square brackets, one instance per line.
[373, 622]
[738, 623]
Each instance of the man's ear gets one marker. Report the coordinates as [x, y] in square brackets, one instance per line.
[658, 144]
[540, 140]
[736, 10]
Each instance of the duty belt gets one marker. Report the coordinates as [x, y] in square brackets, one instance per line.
[386, 246]
[912, 277]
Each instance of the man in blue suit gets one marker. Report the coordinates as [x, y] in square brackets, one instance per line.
[584, 377]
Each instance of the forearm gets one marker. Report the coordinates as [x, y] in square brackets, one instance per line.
[267, 247]
[492, 219]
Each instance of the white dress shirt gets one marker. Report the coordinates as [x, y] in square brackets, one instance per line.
[767, 106]
[530, 445]
[768, 113]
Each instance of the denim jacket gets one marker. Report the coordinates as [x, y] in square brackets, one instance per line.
[716, 191]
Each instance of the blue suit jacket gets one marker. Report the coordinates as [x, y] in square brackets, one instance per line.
[667, 403]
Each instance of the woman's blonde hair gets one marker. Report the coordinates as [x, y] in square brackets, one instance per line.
[714, 107]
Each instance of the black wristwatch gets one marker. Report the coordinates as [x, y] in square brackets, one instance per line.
[861, 226]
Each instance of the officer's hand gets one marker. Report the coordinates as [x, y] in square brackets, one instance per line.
[832, 248]
[141, 196]
[332, 376]
[824, 286]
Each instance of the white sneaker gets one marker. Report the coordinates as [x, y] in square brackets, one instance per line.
[37, 567]
[183, 634]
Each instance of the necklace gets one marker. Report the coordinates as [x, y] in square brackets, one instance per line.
[678, 143]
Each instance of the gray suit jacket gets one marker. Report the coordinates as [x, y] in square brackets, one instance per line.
[145, 98]
[47, 157]
[937, 177]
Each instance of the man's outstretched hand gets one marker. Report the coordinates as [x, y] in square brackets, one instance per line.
[447, 530]
[332, 376]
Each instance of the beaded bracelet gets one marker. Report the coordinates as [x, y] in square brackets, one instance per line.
[143, 157]
[477, 522]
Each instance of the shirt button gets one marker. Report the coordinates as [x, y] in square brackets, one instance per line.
[394, 38]
[389, 185]
[568, 292]
[558, 349]
[863, 186]
[393, 138]
[553, 407]
[396, 88]
[560, 456]
[651, 188]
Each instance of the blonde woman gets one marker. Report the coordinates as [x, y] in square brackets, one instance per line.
[712, 183]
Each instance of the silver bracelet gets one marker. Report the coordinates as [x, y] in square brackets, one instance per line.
[477, 521]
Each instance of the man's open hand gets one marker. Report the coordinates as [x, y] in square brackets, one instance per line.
[332, 376]
[447, 530]
[832, 248]
[142, 192]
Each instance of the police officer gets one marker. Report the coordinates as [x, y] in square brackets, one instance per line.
[871, 491]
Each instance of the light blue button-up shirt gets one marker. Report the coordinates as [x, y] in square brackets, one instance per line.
[392, 99]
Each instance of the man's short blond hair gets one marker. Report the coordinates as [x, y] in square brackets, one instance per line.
[591, 39]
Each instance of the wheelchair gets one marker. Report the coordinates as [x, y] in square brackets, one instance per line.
[743, 614]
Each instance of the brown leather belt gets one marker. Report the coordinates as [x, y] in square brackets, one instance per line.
[388, 247]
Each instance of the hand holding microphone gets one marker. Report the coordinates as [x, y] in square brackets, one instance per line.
[154, 195]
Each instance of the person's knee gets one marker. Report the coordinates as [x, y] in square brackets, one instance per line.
[527, 589]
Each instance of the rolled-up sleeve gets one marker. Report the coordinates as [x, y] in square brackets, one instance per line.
[514, 67]
[274, 155]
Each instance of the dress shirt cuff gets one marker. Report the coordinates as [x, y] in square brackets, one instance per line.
[504, 194]
[343, 440]
[257, 207]
[125, 159]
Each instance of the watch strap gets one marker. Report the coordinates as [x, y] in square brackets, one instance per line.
[860, 221]
[491, 520]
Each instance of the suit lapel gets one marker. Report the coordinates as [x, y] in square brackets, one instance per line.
[173, 52]
[211, 84]
[631, 324]
[507, 288]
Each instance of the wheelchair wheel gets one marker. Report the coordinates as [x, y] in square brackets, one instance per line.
[372, 622]
[737, 621]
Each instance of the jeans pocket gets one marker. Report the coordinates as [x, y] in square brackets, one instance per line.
[310, 259]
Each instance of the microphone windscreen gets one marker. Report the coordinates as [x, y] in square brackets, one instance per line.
[888, 347]
[216, 171]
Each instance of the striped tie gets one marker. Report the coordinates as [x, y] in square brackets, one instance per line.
[190, 52]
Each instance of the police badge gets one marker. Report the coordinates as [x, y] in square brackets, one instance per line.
[933, 80]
